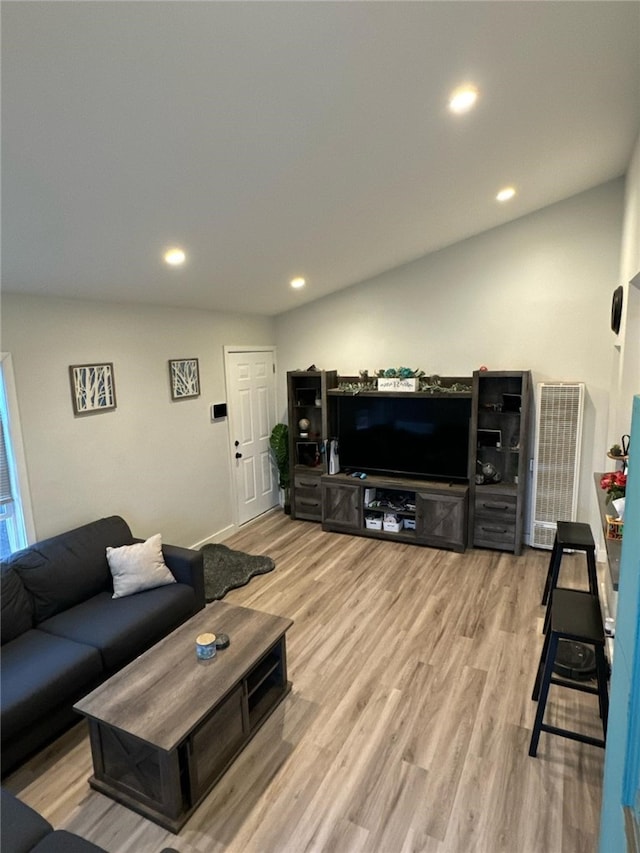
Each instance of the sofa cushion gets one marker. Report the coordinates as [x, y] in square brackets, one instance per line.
[122, 628]
[69, 568]
[62, 841]
[21, 827]
[138, 567]
[17, 608]
[41, 671]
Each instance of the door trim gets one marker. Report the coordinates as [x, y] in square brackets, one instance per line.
[228, 349]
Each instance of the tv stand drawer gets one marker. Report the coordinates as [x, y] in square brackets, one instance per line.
[307, 497]
[493, 534]
[497, 508]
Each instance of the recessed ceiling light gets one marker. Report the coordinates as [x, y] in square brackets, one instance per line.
[298, 282]
[462, 99]
[506, 194]
[174, 257]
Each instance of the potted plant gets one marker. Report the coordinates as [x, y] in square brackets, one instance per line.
[279, 443]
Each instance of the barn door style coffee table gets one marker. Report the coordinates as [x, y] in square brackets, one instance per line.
[166, 727]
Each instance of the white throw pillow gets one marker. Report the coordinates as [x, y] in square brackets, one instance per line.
[138, 567]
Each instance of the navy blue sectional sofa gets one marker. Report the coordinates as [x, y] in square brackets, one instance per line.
[63, 633]
[23, 830]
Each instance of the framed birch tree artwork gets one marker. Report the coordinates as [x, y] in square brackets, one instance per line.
[93, 388]
[185, 378]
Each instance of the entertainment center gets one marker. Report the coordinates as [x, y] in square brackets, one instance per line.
[425, 512]
[444, 466]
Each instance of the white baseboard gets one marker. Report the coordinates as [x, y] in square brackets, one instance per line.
[220, 536]
[230, 529]
[601, 551]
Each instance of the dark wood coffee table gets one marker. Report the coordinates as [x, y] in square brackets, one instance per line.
[166, 727]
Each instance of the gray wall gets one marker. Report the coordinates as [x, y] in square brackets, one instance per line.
[162, 465]
[532, 294]
[626, 346]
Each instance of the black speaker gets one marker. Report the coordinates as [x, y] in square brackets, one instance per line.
[616, 308]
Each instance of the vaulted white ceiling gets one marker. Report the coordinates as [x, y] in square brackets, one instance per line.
[273, 139]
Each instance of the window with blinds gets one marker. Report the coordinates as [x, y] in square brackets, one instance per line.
[5, 479]
[12, 520]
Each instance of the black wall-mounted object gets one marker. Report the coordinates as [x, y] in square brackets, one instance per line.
[616, 308]
[219, 410]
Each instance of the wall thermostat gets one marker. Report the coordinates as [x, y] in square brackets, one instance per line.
[218, 410]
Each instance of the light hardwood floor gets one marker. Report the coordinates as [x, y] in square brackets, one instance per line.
[409, 721]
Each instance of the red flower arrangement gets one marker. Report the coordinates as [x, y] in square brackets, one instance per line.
[615, 484]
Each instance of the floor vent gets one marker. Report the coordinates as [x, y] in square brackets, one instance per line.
[556, 463]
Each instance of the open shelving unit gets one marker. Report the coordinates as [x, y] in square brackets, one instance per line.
[265, 684]
[307, 400]
[500, 436]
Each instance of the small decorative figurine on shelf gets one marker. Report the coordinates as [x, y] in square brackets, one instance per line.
[620, 452]
[489, 474]
[304, 425]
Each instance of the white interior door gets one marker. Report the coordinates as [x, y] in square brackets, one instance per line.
[252, 415]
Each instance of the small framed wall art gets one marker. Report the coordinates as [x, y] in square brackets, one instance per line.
[184, 375]
[93, 388]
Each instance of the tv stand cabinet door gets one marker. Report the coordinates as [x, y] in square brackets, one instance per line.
[442, 518]
[341, 506]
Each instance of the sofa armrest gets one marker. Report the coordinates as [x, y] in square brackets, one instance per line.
[187, 566]
[62, 841]
[22, 826]
[24, 830]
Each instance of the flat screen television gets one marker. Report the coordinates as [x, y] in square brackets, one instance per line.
[417, 436]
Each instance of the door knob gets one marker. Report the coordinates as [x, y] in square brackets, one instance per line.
[238, 455]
